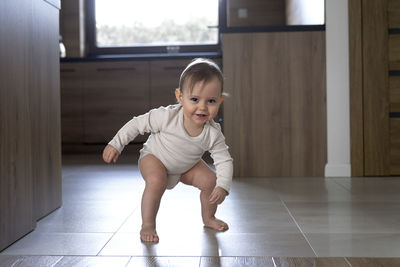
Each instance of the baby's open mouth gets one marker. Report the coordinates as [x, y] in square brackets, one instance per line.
[201, 115]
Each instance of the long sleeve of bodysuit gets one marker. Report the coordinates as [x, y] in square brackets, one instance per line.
[223, 163]
[146, 123]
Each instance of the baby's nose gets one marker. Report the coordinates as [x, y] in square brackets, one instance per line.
[202, 106]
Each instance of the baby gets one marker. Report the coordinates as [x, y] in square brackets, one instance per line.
[180, 134]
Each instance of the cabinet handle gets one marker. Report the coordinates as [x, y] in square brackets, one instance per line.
[174, 68]
[115, 69]
[67, 70]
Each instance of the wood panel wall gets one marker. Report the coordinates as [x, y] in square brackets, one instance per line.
[30, 165]
[275, 117]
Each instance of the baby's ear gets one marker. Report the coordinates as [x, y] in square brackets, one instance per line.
[178, 95]
[222, 99]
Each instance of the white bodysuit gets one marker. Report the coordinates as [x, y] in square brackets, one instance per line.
[174, 147]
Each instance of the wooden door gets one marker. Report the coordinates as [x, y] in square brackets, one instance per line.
[374, 87]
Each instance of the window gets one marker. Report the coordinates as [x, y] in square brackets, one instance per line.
[140, 26]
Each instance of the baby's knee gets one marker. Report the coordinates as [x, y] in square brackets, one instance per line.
[157, 183]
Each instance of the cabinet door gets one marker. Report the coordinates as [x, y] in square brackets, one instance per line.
[45, 109]
[164, 79]
[16, 198]
[113, 93]
[71, 103]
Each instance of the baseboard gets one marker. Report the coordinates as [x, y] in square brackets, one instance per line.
[337, 170]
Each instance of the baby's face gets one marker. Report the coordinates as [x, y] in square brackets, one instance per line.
[201, 104]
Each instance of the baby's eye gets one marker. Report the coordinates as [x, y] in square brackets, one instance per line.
[194, 99]
[212, 101]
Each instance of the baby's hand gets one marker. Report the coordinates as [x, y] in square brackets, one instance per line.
[110, 154]
[218, 195]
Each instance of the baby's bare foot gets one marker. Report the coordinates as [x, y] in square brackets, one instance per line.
[216, 224]
[149, 234]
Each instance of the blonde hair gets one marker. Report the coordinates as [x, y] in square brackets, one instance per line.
[200, 69]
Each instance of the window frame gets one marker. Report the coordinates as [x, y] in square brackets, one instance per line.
[94, 50]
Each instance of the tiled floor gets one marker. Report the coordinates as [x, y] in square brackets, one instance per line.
[99, 221]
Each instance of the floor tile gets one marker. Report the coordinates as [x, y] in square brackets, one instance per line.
[284, 218]
[171, 244]
[346, 217]
[310, 262]
[236, 262]
[374, 262]
[87, 217]
[257, 217]
[210, 244]
[254, 190]
[81, 261]
[355, 245]
[91, 186]
[278, 244]
[300, 189]
[35, 243]
[21, 261]
[372, 189]
[164, 261]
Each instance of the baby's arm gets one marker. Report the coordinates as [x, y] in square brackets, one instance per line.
[224, 167]
[110, 154]
[146, 123]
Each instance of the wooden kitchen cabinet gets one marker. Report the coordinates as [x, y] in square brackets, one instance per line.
[44, 96]
[30, 158]
[164, 79]
[113, 92]
[72, 102]
[99, 97]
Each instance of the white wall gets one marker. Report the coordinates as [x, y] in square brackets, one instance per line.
[338, 93]
[303, 12]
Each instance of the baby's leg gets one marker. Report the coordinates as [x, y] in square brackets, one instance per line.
[155, 176]
[202, 177]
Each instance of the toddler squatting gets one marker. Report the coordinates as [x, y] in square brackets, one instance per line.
[180, 134]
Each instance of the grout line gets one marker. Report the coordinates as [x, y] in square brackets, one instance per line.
[58, 261]
[347, 261]
[298, 226]
[18, 261]
[273, 261]
[339, 184]
[127, 264]
[117, 231]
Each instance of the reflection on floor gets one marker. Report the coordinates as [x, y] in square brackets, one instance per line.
[271, 220]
